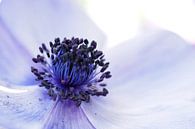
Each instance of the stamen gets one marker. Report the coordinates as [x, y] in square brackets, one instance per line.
[72, 70]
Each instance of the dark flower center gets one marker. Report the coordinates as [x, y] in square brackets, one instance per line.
[73, 69]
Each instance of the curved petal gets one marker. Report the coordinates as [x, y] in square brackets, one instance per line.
[151, 52]
[107, 113]
[15, 59]
[66, 115]
[153, 91]
[31, 107]
[34, 22]
[24, 107]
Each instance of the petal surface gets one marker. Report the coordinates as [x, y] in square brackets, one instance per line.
[37, 21]
[66, 115]
[15, 59]
[151, 88]
[24, 107]
[32, 107]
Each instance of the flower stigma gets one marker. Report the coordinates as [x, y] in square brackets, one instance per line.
[72, 69]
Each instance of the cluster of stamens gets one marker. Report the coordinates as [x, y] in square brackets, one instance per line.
[73, 69]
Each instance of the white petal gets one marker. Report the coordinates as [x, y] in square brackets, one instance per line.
[153, 91]
[22, 108]
[147, 53]
[107, 113]
[34, 22]
[15, 59]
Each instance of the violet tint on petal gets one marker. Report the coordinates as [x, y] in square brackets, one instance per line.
[155, 88]
[15, 59]
[21, 110]
[32, 107]
[66, 115]
[37, 21]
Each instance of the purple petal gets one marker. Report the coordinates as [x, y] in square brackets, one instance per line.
[34, 22]
[65, 115]
[23, 108]
[154, 89]
[15, 59]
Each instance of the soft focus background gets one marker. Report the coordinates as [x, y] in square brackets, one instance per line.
[123, 19]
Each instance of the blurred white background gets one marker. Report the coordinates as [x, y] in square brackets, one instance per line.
[123, 19]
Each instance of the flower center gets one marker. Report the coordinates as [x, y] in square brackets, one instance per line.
[73, 69]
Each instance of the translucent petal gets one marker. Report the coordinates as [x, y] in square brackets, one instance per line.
[15, 59]
[150, 52]
[22, 108]
[65, 115]
[107, 113]
[154, 89]
[32, 107]
[34, 22]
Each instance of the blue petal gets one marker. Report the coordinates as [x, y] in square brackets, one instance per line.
[152, 87]
[15, 59]
[23, 108]
[65, 115]
[37, 21]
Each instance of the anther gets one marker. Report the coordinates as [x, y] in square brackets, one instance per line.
[51, 44]
[35, 60]
[40, 49]
[86, 41]
[102, 84]
[44, 47]
[104, 67]
[57, 40]
[93, 44]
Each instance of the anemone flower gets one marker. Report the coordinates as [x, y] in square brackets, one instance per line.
[152, 84]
